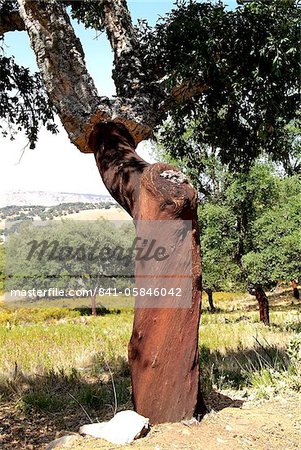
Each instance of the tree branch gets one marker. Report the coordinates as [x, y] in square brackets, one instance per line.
[11, 22]
[182, 93]
[60, 58]
[128, 73]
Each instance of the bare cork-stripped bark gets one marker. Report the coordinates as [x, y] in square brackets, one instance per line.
[296, 292]
[209, 292]
[263, 304]
[163, 351]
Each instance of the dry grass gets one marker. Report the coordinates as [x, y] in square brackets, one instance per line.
[94, 214]
[50, 355]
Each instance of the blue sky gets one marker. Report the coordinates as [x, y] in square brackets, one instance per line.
[45, 168]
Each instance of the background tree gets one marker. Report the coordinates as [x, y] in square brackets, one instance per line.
[266, 249]
[190, 57]
[244, 67]
[2, 267]
[77, 255]
[276, 238]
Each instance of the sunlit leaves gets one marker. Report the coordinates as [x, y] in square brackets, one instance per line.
[24, 104]
[249, 59]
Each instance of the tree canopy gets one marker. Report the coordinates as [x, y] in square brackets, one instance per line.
[232, 77]
[244, 66]
[250, 231]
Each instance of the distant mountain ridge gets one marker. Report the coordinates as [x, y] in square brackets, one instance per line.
[42, 198]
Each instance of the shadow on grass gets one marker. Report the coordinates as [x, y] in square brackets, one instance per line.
[234, 369]
[34, 408]
[56, 401]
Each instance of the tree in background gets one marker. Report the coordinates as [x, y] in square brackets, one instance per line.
[296, 292]
[2, 267]
[232, 74]
[250, 232]
[276, 237]
[263, 303]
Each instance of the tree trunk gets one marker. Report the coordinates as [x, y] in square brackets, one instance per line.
[263, 303]
[163, 351]
[93, 306]
[296, 292]
[210, 299]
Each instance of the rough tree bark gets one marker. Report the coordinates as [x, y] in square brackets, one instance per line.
[163, 352]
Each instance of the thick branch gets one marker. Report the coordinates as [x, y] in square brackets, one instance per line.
[11, 22]
[119, 165]
[128, 73]
[181, 93]
[60, 59]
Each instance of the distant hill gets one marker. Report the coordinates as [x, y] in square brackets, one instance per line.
[41, 198]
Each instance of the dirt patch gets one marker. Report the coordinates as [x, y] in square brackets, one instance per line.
[232, 424]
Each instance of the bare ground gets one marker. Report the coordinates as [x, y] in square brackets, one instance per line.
[231, 424]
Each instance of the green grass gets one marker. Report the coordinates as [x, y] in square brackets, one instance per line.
[54, 359]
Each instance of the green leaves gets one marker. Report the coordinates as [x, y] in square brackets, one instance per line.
[276, 235]
[89, 12]
[251, 229]
[250, 61]
[24, 104]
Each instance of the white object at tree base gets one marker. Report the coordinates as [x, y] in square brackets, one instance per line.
[122, 429]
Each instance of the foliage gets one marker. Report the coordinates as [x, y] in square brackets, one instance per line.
[276, 238]
[75, 255]
[250, 229]
[246, 63]
[24, 103]
[243, 66]
[89, 12]
[292, 162]
[17, 212]
[219, 242]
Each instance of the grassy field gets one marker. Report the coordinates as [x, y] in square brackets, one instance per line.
[62, 360]
[94, 214]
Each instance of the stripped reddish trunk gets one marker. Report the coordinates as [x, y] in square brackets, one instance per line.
[296, 292]
[163, 351]
[209, 292]
[263, 303]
